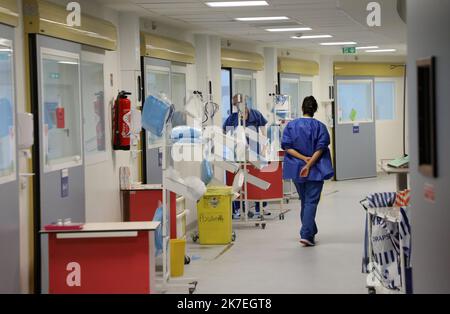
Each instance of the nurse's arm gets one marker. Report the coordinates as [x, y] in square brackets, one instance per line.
[304, 173]
[297, 155]
[314, 158]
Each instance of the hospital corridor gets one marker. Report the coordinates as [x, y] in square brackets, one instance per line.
[269, 261]
[223, 155]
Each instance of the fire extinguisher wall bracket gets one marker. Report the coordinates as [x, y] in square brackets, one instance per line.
[122, 121]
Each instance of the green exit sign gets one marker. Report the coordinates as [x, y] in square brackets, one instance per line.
[349, 50]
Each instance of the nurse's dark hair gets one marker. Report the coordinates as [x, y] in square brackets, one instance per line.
[310, 106]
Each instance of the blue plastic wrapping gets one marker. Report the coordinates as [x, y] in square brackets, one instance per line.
[188, 141]
[155, 115]
[185, 131]
[158, 232]
[207, 172]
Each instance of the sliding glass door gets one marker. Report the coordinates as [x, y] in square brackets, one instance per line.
[158, 82]
[9, 186]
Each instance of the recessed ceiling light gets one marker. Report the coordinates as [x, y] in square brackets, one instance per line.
[262, 18]
[291, 29]
[311, 36]
[231, 4]
[382, 50]
[368, 47]
[343, 43]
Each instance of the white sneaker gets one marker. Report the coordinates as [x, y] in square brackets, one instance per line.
[307, 243]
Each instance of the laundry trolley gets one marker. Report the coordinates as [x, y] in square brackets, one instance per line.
[387, 248]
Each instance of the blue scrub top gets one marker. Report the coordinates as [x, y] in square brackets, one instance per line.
[307, 135]
[255, 120]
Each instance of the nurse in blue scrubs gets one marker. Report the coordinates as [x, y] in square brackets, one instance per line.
[253, 120]
[308, 163]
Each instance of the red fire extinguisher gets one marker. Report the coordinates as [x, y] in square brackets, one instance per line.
[122, 121]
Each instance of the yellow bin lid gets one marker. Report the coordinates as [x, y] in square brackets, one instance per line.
[219, 190]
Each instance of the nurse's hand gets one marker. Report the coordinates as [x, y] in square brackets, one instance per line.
[304, 173]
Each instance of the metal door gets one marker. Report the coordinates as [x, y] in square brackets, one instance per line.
[355, 142]
[59, 187]
[9, 186]
[157, 81]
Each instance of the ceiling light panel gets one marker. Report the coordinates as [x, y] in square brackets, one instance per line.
[311, 36]
[343, 43]
[381, 50]
[234, 4]
[368, 47]
[262, 18]
[291, 29]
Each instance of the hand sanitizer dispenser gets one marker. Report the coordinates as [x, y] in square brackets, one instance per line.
[25, 130]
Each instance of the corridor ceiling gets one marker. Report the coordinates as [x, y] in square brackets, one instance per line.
[345, 20]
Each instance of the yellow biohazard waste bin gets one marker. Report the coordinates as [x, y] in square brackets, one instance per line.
[214, 216]
[177, 252]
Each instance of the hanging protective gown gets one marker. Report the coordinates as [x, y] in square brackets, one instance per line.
[306, 136]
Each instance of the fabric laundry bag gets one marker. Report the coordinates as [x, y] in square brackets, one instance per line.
[385, 253]
[155, 115]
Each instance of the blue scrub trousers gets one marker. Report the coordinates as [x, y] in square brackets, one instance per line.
[309, 193]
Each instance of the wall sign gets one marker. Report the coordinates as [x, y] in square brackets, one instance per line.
[429, 193]
[356, 129]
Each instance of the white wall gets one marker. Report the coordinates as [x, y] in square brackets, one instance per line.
[102, 179]
[428, 26]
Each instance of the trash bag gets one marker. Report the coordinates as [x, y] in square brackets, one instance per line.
[155, 114]
[207, 172]
[196, 188]
[158, 232]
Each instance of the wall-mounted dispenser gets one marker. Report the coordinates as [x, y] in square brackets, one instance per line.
[25, 130]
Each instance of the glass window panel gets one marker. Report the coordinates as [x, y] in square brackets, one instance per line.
[61, 109]
[243, 84]
[7, 126]
[226, 95]
[93, 107]
[157, 84]
[385, 100]
[355, 99]
[179, 90]
[306, 90]
[290, 86]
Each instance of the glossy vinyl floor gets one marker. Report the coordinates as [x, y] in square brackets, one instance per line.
[273, 260]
